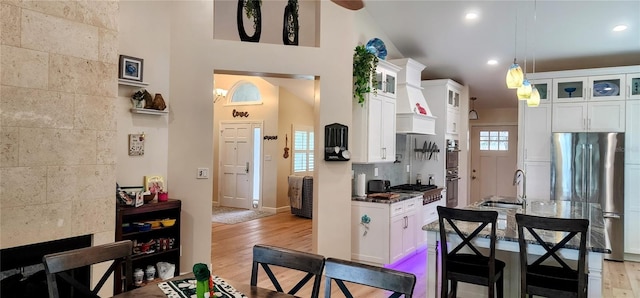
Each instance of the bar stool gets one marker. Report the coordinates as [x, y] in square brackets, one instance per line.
[548, 280]
[473, 268]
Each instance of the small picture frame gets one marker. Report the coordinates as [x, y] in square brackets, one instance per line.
[136, 144]
[130, 68]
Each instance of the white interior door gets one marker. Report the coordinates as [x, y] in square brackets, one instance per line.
[236, 158]
[493, 161]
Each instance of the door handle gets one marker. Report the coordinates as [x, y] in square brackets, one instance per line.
[473, 177]
[246, 169]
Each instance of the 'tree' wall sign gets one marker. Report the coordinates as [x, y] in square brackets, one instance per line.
[236, 113]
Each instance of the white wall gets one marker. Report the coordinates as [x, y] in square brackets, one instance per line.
[193, 56]
[144, 36]
[292, 111]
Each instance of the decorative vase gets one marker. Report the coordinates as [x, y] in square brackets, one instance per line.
[257, 20]
[290, 26]
[158, 102]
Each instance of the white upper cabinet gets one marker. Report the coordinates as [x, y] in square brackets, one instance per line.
[633, 86]
[374, 123]
[592, 116]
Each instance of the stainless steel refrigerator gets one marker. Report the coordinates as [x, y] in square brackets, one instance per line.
[589, 167]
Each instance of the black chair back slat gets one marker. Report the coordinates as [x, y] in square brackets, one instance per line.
[473, 268]
[400, 283]
[540, 278]
[58, 264]
[266, 256]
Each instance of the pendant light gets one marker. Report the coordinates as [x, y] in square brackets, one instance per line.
[514, 74]
[524, 91]
[473, 114]
[534, 99]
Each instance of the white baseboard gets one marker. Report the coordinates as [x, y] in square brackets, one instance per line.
[631, 257]
[216, 204]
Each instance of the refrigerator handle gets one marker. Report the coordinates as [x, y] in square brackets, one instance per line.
[584, 172]
[611, 215]
[588, 175]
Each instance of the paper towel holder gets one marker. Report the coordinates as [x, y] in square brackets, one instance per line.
[336, 142]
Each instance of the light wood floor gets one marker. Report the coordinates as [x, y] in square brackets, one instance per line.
[231, 253]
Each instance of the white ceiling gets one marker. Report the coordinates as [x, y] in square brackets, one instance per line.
[565, 35]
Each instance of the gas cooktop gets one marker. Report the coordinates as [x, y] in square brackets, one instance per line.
[413, 187]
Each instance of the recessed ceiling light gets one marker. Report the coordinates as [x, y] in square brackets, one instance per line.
[471, 16]
[492, 62]
[620, 28]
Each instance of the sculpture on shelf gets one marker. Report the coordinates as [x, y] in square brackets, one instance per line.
[158, 102]
[142, 99]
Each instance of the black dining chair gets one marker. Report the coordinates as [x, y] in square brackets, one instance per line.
[59, 265]
[400, 283]
[475, 267]
[559, 279]
[312, 264]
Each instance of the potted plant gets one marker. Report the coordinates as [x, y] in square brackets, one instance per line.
[364, 73]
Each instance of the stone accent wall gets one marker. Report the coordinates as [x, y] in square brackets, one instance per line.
[58, 86]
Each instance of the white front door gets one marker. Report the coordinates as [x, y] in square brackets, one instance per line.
[493, 161]
[236, 165]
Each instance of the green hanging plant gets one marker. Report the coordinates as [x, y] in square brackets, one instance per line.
[364, 73]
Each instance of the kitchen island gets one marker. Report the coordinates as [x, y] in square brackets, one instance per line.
[507, 245]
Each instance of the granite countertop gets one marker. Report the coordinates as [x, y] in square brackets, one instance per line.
[403, 196]
[507, 228]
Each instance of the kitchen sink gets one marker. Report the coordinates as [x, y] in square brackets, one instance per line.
[502, 204]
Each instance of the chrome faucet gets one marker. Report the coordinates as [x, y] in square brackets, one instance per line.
[523, 197]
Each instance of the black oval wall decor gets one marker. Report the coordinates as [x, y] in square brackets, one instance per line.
[252, 13]
[290, 26]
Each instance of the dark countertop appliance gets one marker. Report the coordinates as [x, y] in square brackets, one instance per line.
[377, 186]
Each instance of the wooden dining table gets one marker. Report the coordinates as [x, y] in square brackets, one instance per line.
[153, 291]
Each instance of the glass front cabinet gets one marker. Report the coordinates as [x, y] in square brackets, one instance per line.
[544, 89]
[570, 89]
[633, 86]
[610, 87]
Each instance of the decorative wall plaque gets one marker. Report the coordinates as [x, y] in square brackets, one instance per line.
[136, 144]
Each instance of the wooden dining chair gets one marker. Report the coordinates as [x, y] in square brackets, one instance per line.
[340, 271]
[559, 280]
[475, 267]
[312, 264]
[58, 265]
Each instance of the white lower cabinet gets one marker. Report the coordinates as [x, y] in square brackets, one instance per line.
[631, 208]
[392, 231]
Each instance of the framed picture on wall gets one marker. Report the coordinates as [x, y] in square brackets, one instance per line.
[130, 68]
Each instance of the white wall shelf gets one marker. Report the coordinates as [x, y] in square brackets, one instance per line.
[148, 111]
[132, 83]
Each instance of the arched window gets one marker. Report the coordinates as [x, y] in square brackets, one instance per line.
[245, 93]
